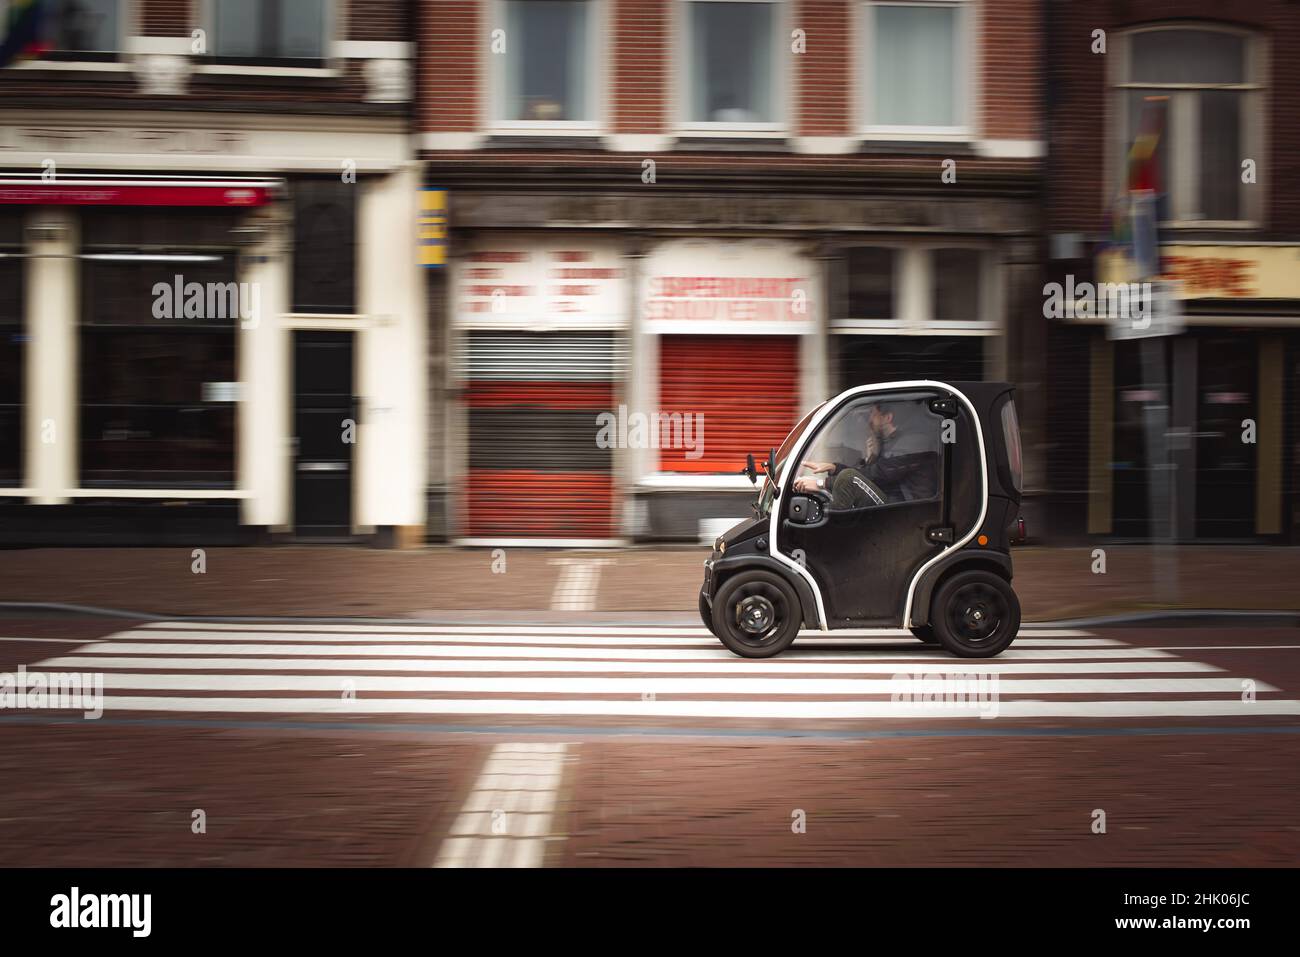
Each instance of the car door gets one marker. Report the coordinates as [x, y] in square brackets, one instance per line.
[862, 553]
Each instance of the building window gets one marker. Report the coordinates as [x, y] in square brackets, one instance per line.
[919, 289]
[12, 343]
[732, 68]
[872, 279]
[544, 72]
[957, 275]
[916, 68]
[1196, 87]
[160, 307]
[71, 29]
[324, 246]
[270, 32]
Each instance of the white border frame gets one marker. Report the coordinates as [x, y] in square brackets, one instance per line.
[796, 455]
[967, 95]
[599, 74]
[1254, 129]
[680, 81]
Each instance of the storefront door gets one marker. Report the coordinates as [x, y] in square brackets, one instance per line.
[325, 429]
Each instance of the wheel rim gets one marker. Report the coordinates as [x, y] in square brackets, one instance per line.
[758, 610]
[976, 613]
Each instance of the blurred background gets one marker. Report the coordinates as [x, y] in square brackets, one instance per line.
[373, 271]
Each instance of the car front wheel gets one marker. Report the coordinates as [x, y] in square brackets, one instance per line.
[756, 614]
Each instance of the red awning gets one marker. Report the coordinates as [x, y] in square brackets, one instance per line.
[82, 190]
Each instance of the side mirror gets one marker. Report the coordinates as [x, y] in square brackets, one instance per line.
[750, 470]
[770, 465]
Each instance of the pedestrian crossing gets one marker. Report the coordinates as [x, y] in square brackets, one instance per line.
[633, 674]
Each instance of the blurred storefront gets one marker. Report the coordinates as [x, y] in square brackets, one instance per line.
[609, 376]
[1231, 393]
[202, 355]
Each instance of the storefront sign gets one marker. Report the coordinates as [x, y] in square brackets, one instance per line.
[722, 210]
[523, 284]
[79, 191]
[433, 227]
[723, 286]
[1218, 271]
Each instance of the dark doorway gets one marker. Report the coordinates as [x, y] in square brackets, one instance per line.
[325, 427]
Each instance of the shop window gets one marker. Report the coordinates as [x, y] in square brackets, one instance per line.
[916, 67]
[875, 451]
[157, 375]
[957, 275]
[290, 32]
[918, 289]
[544, 70]
[71, 29]
[324, 249]
[731, 59]
[872, 277]
[1196, 88]
[12, 343]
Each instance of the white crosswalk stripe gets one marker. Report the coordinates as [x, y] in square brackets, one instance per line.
[638, 674]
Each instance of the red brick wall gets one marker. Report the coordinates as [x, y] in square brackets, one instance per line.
[164, 18]
[1010, 70]
[825, 70]
[450, 41]
[1080, 116]
[642, 38]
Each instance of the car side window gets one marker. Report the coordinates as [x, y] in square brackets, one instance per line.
[877, 450]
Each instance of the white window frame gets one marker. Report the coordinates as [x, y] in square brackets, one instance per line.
[914, 292]
[492, 100]
[206, 19]
[681, 78]
[965, 97]
[1184, 160]
[127, 20]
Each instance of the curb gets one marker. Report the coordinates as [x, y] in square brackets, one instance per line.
[1160, 619]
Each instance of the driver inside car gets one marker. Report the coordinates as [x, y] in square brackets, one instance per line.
[899, 462]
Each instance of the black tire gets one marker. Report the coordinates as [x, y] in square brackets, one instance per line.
[756, 614]
[925, 633]
[975, 614]
[706, 613]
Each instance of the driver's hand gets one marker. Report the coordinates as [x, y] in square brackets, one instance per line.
[819, 466]
[806, 483]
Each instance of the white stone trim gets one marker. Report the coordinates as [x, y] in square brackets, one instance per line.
[1011, 149]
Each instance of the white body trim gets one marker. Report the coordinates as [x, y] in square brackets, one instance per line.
[796, 455]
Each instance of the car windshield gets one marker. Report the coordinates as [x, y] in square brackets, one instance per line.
[767, 491]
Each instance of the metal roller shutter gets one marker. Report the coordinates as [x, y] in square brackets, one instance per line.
[745, 387]
[535, 470]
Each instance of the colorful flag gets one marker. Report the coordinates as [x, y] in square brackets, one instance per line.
[24, 34]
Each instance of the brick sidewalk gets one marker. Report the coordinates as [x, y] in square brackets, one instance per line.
[1053, 583]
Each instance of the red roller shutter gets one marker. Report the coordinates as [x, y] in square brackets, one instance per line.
[746, 387]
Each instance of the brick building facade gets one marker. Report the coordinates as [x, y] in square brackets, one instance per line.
[213, 323]
[1219, 81]
[715, 210]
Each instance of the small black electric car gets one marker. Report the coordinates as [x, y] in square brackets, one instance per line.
[890, 505]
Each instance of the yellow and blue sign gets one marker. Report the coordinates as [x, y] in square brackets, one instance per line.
[433, 227]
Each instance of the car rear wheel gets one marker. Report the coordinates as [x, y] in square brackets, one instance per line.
[975, 614]
[756, 614]
[925, 633]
